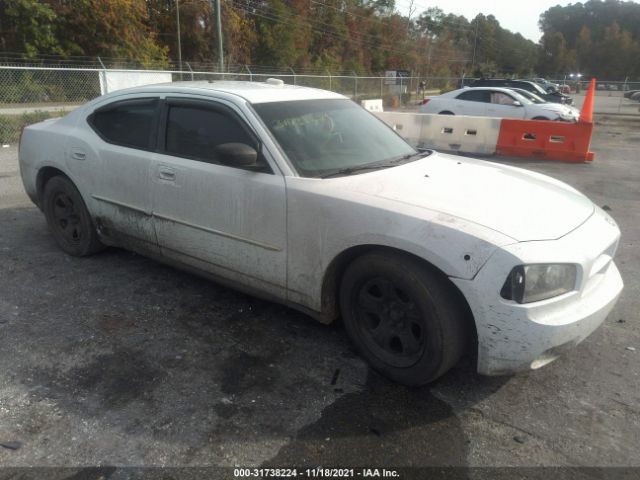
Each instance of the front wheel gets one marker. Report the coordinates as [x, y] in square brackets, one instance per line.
[539, 118]
[446, 112]
[68, 218]
[402, 317]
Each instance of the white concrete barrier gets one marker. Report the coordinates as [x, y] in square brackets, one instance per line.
[372, 105]
[461, 133]
[408, 125]
[446, 132]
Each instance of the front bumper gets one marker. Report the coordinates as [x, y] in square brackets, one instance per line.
[515, 337]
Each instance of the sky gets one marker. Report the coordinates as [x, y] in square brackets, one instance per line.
[516, 15]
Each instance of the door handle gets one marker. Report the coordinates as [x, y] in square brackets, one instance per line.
[78, 155]
[168, 174]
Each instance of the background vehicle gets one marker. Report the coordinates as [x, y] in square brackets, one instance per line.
[537, 99]
[496, 102]
[630, 93]
[546, 84]
[555, 96]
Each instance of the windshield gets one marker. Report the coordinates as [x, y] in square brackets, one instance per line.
[325, 136]
[538, 89]
[504, 99]
[530, 95]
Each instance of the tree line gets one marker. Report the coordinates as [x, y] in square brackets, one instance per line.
[363, 36]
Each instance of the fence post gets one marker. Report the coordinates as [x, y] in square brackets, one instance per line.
[294, 75]
[355, 87]
[104, 88]
[250, 74]
[381, 87]
[624, 89]
[329, 78]
[189, 67]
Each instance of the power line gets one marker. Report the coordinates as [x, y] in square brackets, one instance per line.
[250, 8]
[254, 4]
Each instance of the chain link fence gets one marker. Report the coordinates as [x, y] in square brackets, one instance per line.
[29, 94]
[32, 93]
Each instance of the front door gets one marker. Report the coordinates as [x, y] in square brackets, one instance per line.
[504, 106]
[226, 220]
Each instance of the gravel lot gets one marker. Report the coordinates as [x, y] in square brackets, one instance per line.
[118, 360]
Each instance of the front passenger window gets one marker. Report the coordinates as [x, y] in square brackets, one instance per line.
[500, 98]
[194, 132]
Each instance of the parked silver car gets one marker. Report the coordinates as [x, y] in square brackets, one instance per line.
[301, 196]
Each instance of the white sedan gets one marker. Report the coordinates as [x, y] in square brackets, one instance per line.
[496, 102]
[301, 196]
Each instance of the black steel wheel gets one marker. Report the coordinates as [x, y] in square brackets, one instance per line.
[389, 322]
[68, 218]
[403, 317]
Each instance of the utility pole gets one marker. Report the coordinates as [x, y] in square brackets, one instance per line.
[475, 43]
[412, 10]
[219, 23]
[179, 41]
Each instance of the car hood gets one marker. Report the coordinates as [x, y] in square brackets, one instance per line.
[521, 204]
[559, 109]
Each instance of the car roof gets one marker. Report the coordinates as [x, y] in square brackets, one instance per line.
[253, 92]
[505, 80]
[489, 88]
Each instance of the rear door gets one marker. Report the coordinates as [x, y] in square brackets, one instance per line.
[472, 102]
[123, 140]
[225, 220]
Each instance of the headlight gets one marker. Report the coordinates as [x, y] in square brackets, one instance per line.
[531, 283]
[567, 116]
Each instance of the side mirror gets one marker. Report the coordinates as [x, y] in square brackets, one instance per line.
[237, 155]
[516, 103]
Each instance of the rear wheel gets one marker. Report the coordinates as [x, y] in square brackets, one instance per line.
[69, 219]
[446, 112]
[402, 317]
[539, 118]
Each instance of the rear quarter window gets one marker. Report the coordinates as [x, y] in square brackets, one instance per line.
[474, 96]
[129, 123]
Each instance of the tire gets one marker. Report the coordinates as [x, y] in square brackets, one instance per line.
[403, 318]
[68, 218]
[446, 112]
[539, 118]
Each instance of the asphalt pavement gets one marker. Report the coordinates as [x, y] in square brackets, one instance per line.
[116, 360]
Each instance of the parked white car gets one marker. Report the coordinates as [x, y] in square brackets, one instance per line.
[538, 100]
[301, 196]
[496, 102]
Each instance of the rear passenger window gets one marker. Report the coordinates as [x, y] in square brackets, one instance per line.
[474, 96]
[130, 123]
[195, 132]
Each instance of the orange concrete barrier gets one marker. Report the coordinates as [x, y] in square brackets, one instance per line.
[547, 140]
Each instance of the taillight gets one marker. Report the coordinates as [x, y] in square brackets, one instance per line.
[20, 136]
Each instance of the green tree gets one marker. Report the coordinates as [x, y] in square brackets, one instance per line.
[555, 59]
[115, 28]
[26, 26]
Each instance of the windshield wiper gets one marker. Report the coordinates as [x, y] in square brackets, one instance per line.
[409, 156]
[350, 170]
[392, 162]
